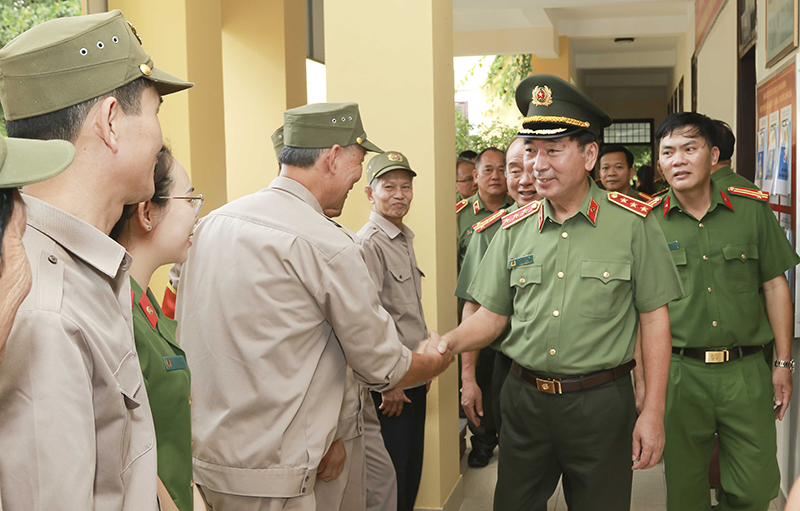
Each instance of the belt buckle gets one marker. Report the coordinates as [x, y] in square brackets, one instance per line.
[717, 357]
[548, 386]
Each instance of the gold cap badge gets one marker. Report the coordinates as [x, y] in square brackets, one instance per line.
[394, 157]
[145, 69]
[133, 29]
[359, 140]
[542, 95]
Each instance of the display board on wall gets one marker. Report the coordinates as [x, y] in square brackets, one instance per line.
[776, 155]
[705, 14]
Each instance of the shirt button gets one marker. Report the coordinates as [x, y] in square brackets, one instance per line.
[191, 484]
[53, 259]
[564, 234]
[552, 352]
[561, 274]
[705, 257]
[701, 225]
[190, 400]
[713, 323]
[744, 256]
[709, 290]
[556, 313]
[303, 490]
[606, 274]
[521, 281]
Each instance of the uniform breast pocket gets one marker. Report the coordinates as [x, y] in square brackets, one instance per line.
[605, 288]
[526, 281]
[740, 273]
[404, 290]
[137, 433]
[681, 262]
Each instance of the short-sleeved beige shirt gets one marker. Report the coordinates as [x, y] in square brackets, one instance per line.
[275, 302]
[392, 263]
[76, 430]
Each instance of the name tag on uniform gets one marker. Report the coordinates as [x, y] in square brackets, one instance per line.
[673, 245]
[174, 363]
[520, 261]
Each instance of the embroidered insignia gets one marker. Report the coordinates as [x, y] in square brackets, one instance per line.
[629, 203]
[542, 95]
[394, 157]
[470, 231]
[520, 214]
[541, 222]
[666, 205]
[148, 310]
[673, 245]
[173, 363]
[461, 205]
[726, 200]
[520, 261]
[752, 194]
[592, 213]
[476, 207]
[489, 220]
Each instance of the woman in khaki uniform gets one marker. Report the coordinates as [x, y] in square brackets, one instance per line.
[158, 232]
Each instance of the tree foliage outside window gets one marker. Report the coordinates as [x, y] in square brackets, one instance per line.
[17, 16]
[478, 138]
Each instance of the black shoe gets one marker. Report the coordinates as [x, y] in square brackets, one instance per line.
[479, 458]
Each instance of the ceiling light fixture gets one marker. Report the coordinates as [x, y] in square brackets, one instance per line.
[624, 40]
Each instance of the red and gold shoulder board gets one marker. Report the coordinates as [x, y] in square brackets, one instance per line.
[461, 205]
[489, 220]
[646, 197]
[661, 192]
[629, 203]
[520, 214]
[751, 194]
[655, 201]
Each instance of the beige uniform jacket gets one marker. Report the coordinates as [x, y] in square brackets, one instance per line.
[275, 301]
[389, 254]
[76, 432]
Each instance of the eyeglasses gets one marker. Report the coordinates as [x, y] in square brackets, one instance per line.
[196, 200]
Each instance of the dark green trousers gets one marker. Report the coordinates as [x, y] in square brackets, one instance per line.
[484, 437]
[733, 399]
[584, 436]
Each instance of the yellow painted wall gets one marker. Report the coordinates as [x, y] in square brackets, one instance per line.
[683, 67]
[263, 65]
[717, 67]
[401, 74]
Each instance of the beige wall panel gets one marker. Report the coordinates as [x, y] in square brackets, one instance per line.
[716, 69]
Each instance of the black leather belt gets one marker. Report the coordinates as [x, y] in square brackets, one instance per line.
[561, 385]
[717, 356]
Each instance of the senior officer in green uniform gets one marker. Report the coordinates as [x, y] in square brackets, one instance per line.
[570, 274]
[730, 251]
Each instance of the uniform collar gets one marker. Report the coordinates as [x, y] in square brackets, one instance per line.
[388, 227]
[295, 188]
[590, 207]
[81, 239]
[477, 204]
[718, 198]
[723, 172]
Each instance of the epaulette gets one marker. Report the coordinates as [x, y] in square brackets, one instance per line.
[341, 227]
[520, 214]
[629, 203]
[461, 205]
[646, 197]
[751, 194]
[653, 202]
[489, 220]
[660, 192]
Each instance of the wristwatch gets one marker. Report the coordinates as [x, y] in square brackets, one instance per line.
[788, 364]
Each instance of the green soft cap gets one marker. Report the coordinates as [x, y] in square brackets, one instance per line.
[66, 61]
[277, 142]
[24, 161]
[382, 163]
[324, 125]
[554, 108]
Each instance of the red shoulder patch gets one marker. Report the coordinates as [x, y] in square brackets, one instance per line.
[461, 205]
[489, 220]
[750, 194]
[629, 203]
[520, 214]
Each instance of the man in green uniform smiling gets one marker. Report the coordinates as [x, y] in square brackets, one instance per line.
[576, 275]
[731, 255]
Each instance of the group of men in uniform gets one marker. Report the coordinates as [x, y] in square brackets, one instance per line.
[568, 282]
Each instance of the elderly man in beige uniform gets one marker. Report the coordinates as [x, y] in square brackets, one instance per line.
[275, 304]
[75, 429]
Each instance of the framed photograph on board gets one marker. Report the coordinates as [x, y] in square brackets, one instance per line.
[747, 25]
[781, 29]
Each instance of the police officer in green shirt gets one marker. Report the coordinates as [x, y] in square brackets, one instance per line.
[575, 276]
[721, 172]
[616, 171]
[731, 254]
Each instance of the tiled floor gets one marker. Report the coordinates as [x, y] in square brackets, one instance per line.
[649, 491]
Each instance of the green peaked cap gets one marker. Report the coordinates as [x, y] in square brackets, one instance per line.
[382, 163]
[554, 108]
[24, 161]
[323, 125]
[66, 61]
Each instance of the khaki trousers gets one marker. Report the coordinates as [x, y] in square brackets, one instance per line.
[216, 501]
[381, 477]
[348, 491]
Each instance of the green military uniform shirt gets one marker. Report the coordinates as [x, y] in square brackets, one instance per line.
[726, 177]
[573, 290]
[469, 215]
[723, 260]
[168, 382]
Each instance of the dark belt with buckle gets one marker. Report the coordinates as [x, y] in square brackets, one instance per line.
[717, 356]
[561, 385]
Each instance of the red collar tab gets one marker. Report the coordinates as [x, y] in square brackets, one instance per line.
[592, 213]
[133, 298]
[168, 302]
[629, 203]
[666, 205]
[520, 214]
[489, 220]
[750, 194]
[461, 205]
[726, 200]
[149, 310]
[476, 207]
